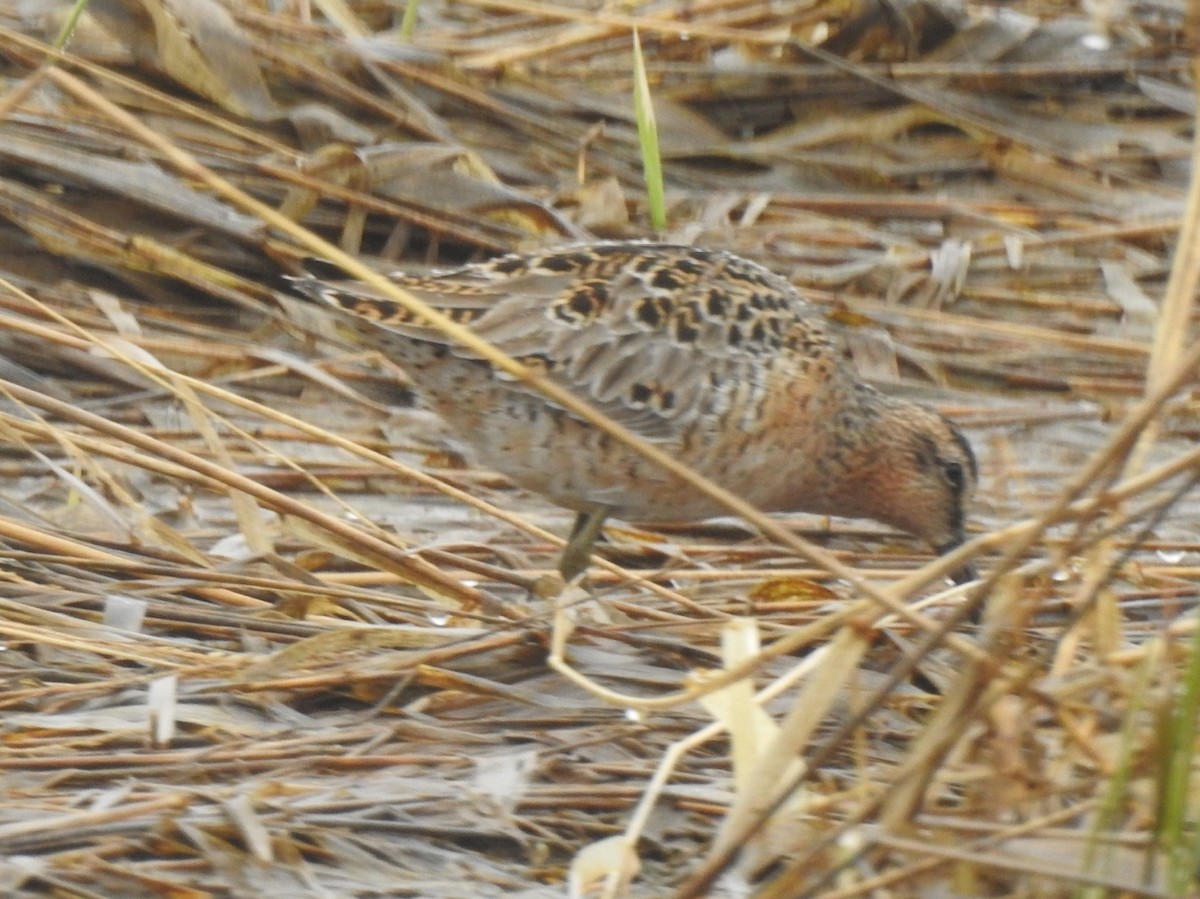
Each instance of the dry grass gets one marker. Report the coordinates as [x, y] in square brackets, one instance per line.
[262, 633]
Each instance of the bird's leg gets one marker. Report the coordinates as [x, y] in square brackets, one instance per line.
[578, 551]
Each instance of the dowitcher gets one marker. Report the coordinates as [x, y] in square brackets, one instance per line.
[716, 359]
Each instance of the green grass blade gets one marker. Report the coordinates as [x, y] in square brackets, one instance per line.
[409, 23]
[64, 34]
[643, 108]
[1176, 826]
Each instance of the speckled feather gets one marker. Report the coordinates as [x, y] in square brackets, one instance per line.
[712, 356]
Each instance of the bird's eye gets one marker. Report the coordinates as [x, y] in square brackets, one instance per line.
[953, 473]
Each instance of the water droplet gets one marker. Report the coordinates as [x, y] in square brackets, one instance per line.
[1060, 575]
[438, 619]
[633, 715]
[1171, 557]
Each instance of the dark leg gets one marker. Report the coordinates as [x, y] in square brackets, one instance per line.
[578, 550]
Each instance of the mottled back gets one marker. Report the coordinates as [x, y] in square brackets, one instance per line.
[649, 334]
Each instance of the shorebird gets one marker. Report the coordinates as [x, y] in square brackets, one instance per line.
[716, 359]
